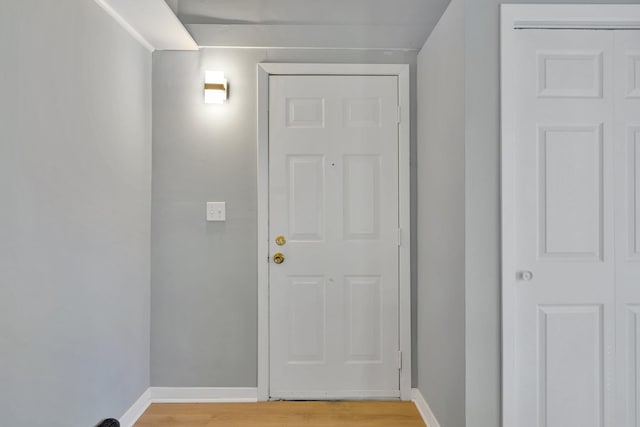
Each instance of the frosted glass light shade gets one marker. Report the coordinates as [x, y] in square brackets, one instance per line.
[215, 87]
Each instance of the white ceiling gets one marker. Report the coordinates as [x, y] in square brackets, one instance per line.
[368, 24]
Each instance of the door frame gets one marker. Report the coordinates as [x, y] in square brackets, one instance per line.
[402, 72]
[516, 17]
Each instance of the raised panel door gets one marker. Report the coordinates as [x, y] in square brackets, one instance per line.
[564, 225]
[333, 184]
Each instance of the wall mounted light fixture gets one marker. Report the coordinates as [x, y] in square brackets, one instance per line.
[215, 87]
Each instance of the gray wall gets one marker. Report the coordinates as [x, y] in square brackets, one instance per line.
[483, 209]
[75, 174]
[441, 231]
[204, 275]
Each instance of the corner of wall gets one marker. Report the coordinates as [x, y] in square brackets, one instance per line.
[441, 218]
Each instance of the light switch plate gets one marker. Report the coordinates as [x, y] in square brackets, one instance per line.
[216, 211]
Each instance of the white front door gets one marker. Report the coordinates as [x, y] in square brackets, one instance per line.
[576, 275]
[333, 199]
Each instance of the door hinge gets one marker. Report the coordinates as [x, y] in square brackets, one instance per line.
[399, 236]
[399, 117]
[399, 360]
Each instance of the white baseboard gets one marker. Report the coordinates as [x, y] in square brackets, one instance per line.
[136, 410]
[423, 408]
[186, 395]
[203, 394]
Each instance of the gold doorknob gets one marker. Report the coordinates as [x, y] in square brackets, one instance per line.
[278, 258]
[281, 240]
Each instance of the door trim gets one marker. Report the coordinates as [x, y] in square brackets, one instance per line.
[402, 72]
[517, 18]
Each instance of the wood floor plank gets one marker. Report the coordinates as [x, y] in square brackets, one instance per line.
[282, 414]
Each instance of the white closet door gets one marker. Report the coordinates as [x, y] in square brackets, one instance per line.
[565, 277]
[627, 136]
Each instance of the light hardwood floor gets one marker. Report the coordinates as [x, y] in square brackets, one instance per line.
[282, 414]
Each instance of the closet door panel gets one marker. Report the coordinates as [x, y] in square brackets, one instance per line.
[627, 159]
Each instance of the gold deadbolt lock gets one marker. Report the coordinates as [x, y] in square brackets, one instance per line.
[278, 258]
[281, 240]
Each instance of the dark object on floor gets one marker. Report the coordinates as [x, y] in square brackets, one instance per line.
[109, 422]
